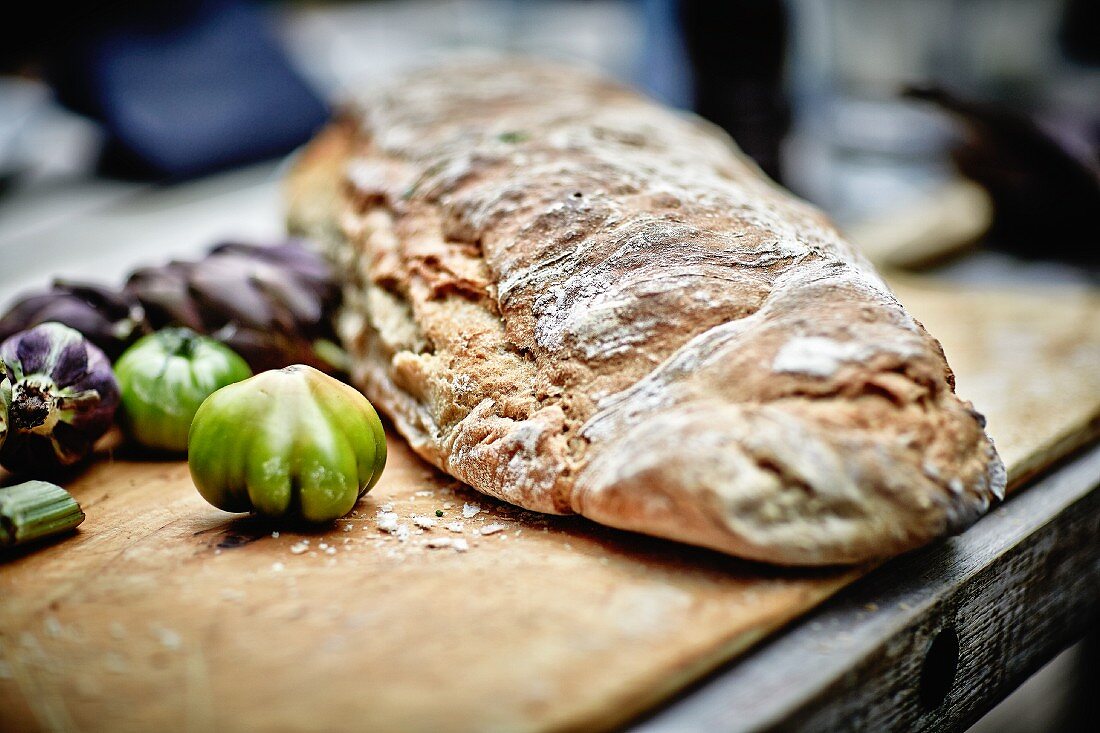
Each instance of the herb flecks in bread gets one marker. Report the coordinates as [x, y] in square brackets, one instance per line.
[616, 314]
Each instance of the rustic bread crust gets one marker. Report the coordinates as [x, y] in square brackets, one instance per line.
[577, 301]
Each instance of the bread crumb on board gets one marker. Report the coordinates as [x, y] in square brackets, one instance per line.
[387, 521]
[168, 638]
[402, 527]
[458, 544]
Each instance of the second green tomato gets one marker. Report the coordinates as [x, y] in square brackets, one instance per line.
[165, 376]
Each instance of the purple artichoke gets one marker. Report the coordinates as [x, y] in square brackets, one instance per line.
[269, 304]
[109, 319]
[62, 395]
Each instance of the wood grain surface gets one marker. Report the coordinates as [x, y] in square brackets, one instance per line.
[162, 613]
[1029, 359]
[932, 640]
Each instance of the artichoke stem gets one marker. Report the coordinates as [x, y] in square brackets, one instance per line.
[36, 509]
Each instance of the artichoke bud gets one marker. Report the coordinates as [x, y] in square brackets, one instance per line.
[163, 293]
[107, 318]
[267, 303]
[62, 397]
[291, 442]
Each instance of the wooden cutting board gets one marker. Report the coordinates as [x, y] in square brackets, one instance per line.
[163, 613]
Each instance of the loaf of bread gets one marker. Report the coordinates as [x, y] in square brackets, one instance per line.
[575, 300]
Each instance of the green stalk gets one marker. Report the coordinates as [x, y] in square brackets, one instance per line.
[36, 509]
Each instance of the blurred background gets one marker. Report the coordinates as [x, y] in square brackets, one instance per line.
[869, 108]
[959, 135]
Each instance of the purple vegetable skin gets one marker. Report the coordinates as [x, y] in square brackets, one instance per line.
[63, 398]
[109, 319]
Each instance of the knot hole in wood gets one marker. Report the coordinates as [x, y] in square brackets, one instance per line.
[941, 662]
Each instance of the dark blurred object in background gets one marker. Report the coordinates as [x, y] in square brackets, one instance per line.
[1046, 194]
[737, 51]
[1079, 33]
[181, 87]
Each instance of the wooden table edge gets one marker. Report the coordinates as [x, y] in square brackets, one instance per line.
[1007, 595]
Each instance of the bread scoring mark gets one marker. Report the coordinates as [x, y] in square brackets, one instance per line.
[607, 307]
[661, 388]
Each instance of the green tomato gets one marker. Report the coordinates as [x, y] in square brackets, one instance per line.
[164, 377]
[290, 442]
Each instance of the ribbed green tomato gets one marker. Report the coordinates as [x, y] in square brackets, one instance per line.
[165, 376]
[290, 442]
